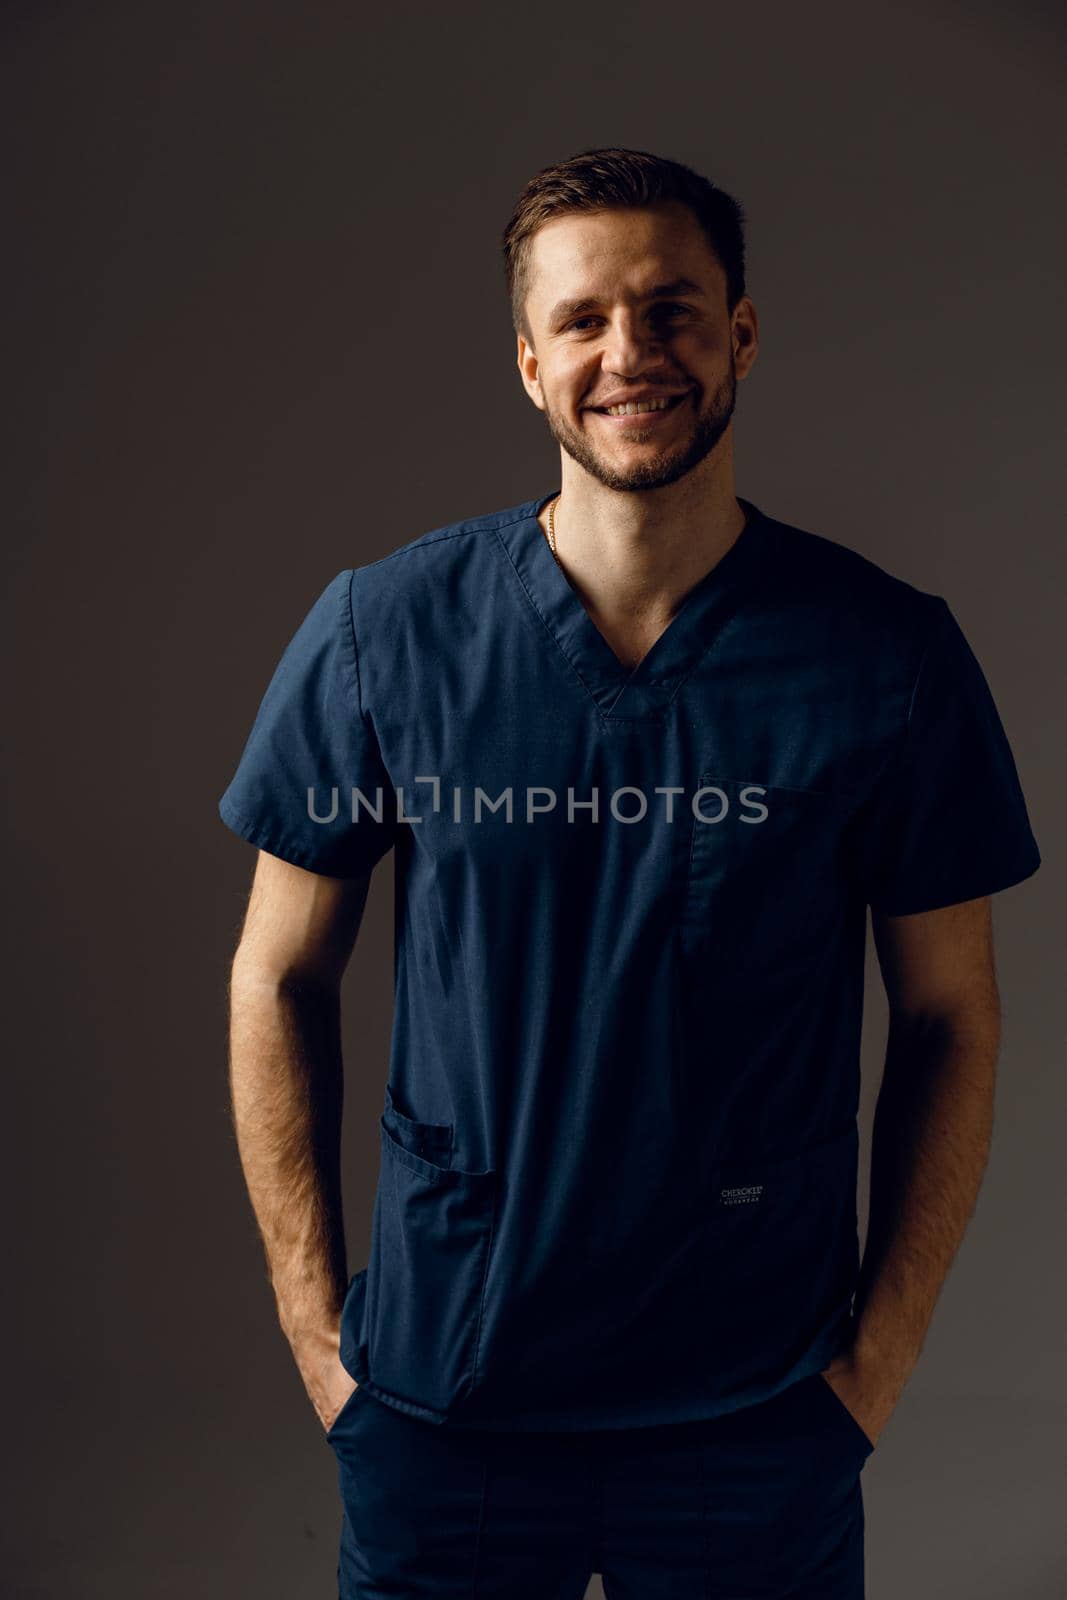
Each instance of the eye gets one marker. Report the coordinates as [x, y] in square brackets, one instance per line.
[673, 306]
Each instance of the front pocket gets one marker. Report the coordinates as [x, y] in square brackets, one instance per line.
[761, 890]
[431, 1140]
[843, 1418]
[431, 1237]
[346, 1409]
[782, 1259]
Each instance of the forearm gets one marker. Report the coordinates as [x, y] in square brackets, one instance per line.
[933, 1126]
[286, 1086]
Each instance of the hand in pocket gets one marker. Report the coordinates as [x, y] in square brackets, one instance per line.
[330, 1385]
[866, 1401]
[353, 1390]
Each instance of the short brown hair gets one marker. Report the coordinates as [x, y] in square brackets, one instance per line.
[596, 179]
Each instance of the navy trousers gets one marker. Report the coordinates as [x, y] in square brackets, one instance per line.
[763, 1502]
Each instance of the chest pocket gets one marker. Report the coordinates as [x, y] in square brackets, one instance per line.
[763, 885]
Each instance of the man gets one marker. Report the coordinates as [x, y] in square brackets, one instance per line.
[645, 756]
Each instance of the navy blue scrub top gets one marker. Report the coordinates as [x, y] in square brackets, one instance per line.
[618, 1139]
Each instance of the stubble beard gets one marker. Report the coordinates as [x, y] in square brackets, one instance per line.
[669, 464]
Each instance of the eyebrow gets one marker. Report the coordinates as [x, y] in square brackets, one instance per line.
[565, 309]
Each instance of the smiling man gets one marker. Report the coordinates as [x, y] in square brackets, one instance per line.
[646, 757]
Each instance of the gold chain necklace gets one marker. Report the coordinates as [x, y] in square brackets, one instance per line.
[552, 527]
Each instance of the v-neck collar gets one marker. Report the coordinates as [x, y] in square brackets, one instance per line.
[645, 691]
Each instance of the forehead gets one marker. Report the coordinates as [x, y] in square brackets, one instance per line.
[619, 252]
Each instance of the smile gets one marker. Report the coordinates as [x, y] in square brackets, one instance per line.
[642, 408]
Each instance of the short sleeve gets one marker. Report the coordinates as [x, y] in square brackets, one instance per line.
[311, 748]
[947, 821]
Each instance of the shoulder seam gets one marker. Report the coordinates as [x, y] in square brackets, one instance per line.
[488, 524]
[899, 753]
[352, 644]
[940, 608]
[349, 626]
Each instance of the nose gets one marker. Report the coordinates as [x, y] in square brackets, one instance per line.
[630, 346]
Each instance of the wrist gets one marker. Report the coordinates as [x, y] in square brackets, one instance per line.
[309, 1324]
[885, 1364]
[314, 1341]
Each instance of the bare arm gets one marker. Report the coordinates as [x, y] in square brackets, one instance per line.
[286, 1084]
[932, 1132]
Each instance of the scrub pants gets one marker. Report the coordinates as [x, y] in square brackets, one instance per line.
[762, 1502]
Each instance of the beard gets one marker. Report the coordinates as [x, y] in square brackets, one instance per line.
[671, 462]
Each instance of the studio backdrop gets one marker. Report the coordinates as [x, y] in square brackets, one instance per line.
[258, 334]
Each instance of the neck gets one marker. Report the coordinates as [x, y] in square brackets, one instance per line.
[633, 556]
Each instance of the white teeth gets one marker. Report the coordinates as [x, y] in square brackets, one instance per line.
[632, 408]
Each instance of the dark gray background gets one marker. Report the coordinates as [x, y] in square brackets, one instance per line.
[258, 333]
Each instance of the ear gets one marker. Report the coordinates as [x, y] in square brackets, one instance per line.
[744, 334]
[529, 370]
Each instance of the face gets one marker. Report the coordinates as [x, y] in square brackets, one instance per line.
[627, 301]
